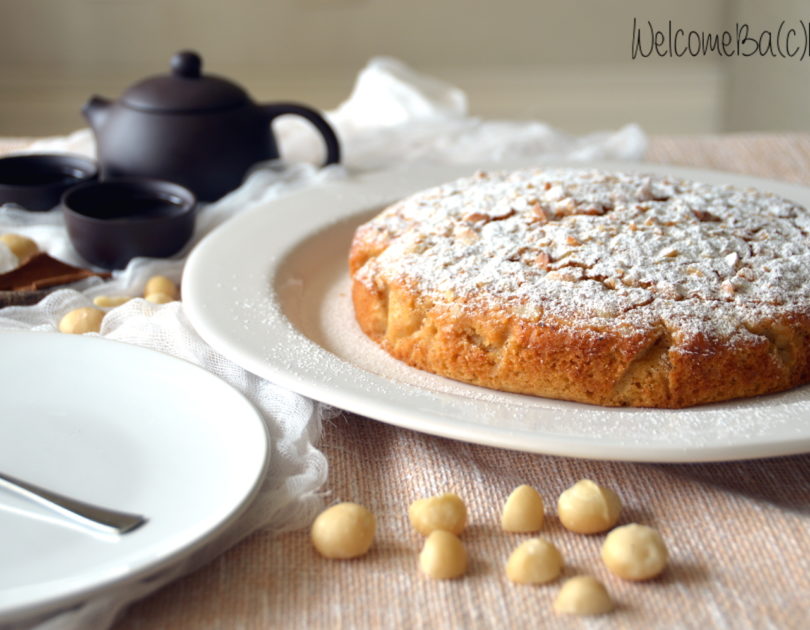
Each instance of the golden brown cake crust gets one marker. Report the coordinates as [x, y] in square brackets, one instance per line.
[611, 289]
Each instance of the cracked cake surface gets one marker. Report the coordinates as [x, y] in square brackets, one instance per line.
[599, 287]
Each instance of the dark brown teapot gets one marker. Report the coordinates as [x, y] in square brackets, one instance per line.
[203, 132]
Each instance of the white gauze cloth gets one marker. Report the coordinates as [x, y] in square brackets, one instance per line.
[394, 115]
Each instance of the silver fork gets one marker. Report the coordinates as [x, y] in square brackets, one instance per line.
[93, 516]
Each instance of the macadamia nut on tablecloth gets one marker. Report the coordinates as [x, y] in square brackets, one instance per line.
[588, 508]
[21, 246]
[523, 511]
[534, 561]
[443, 556]
[81, 320]
[583, 595]
[635, 552]
[345, 530]
[446, 512]
[159, 298]
[161, 285]
[110, 301]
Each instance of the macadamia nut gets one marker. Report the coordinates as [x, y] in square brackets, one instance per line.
[161, 284]
[21, 246]
[446, 512]
[443, 557]
[81, 320]
[107, 301]
[523, 511]
[345, 530]
[583, 595]
[635, 552]
[159, 298]
[534, 561]
[588, 508]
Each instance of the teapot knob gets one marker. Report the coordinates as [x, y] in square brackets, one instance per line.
[186, 64]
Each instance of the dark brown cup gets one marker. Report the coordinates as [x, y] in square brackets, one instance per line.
[112, 222]
[37, 181]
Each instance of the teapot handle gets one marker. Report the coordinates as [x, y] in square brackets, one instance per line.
[332, 145]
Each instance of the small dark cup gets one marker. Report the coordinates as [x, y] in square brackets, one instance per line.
[38, 180]
[111, 222]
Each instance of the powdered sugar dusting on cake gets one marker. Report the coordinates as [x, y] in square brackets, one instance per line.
[599, 248]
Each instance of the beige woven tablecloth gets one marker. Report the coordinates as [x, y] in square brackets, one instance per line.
[738, 533]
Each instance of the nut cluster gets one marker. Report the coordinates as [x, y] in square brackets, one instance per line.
[631, 552]
[87, 319]
[442, 519]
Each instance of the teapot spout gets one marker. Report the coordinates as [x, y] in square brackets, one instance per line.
[96, 110]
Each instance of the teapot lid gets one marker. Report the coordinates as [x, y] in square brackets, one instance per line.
[185, 89]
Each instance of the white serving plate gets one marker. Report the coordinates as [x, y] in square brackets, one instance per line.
[270, 290]
[123, 427]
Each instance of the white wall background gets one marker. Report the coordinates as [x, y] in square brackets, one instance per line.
[764, 93]
[563, 61]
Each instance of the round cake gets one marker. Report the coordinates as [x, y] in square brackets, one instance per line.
[605, 288]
